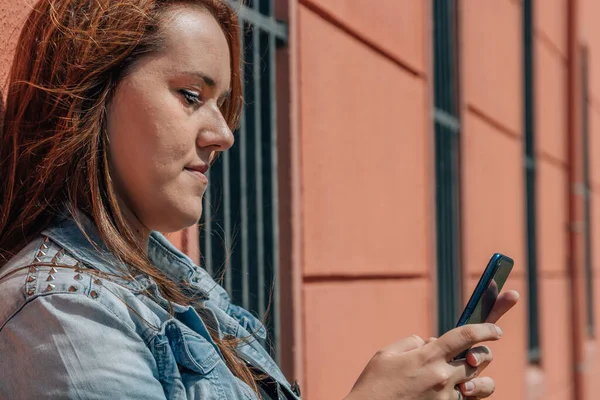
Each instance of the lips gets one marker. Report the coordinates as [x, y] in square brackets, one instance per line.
[198, 170]
[201, 168]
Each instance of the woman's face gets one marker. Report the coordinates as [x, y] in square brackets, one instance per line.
[164, 123]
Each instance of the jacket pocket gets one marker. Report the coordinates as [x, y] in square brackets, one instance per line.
[191, 350]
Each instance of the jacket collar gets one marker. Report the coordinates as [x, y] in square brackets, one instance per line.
[85, 243]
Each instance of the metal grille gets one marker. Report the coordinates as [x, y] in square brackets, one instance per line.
[587, 193]
[530, 180]
[239, 230]
[447, 129]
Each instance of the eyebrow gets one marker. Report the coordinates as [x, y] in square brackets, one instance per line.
[209, 81]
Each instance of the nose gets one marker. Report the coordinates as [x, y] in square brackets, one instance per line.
[216, 135]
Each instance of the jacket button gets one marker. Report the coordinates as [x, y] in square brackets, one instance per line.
[296, 388]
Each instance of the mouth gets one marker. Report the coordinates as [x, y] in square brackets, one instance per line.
[198, 171]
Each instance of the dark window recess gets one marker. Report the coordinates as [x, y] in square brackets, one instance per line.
[239, 230]
[447, 162]
[530, 180]
[589, 274]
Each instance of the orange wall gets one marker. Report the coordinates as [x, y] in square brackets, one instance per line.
[351, 51]
[12, 15]
[366, 184]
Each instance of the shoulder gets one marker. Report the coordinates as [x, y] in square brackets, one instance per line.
[58, 322]
[43, 269]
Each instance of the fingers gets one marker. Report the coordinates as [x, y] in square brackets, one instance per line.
[461, 371]
[504, 302]
[478, 388]
[479, 357]
[453, 342]
[431, 339]
[476, 361]
[402, 346]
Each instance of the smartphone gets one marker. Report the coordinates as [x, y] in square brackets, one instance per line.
[486, 292]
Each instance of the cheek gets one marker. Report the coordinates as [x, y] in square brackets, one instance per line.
[149, 146]
[145, 141]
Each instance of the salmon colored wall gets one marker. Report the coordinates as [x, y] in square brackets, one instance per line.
[366, 201]
[589, 32]
[492, 167]
[12, 15]
[338, 258]
[551, 127]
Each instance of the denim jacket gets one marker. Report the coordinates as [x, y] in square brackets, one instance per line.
[65, 333]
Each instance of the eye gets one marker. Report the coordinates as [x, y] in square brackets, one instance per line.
[190, 98]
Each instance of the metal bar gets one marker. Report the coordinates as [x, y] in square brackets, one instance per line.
[586, 178]
[243, 137]
[275, 200]
[530, 175]
[447, 120]
[234, 263]
[207, 211]
[216, 206]
[258, 181]
[227, 235]
[577, 355]
[265, 23]
[447, 129]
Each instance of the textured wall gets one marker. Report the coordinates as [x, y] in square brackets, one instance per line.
[12, 16]
[367, 184]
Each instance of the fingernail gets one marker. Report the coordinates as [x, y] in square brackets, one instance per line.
[477, 358]
[499, 330]
[469, 386]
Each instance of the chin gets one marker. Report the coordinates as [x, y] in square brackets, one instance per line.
[177, 219]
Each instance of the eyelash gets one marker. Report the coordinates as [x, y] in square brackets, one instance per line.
[190, 97]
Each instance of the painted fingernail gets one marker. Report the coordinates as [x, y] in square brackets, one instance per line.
[469, 387]
[499, 330]
[477, 358]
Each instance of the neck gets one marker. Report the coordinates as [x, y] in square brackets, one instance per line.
[140, 232]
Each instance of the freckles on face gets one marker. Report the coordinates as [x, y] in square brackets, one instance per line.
[164, 117]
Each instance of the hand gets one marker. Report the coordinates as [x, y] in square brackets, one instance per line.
[412, 369]
[481, 356]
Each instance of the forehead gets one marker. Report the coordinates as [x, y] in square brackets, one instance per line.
[194, 41]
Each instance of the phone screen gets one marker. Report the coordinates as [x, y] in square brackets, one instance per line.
[478, 313]
[488, 298]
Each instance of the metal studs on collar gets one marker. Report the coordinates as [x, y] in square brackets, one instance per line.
[31, 292]
[30, 278]
[94, 294]
[57, 256]
[50, 278]
[98, 282]
[78, 277]
[32, 270]
[50, 287]
[52, 270]
[73, 289]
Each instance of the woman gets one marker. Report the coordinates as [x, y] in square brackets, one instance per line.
[115, 110]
